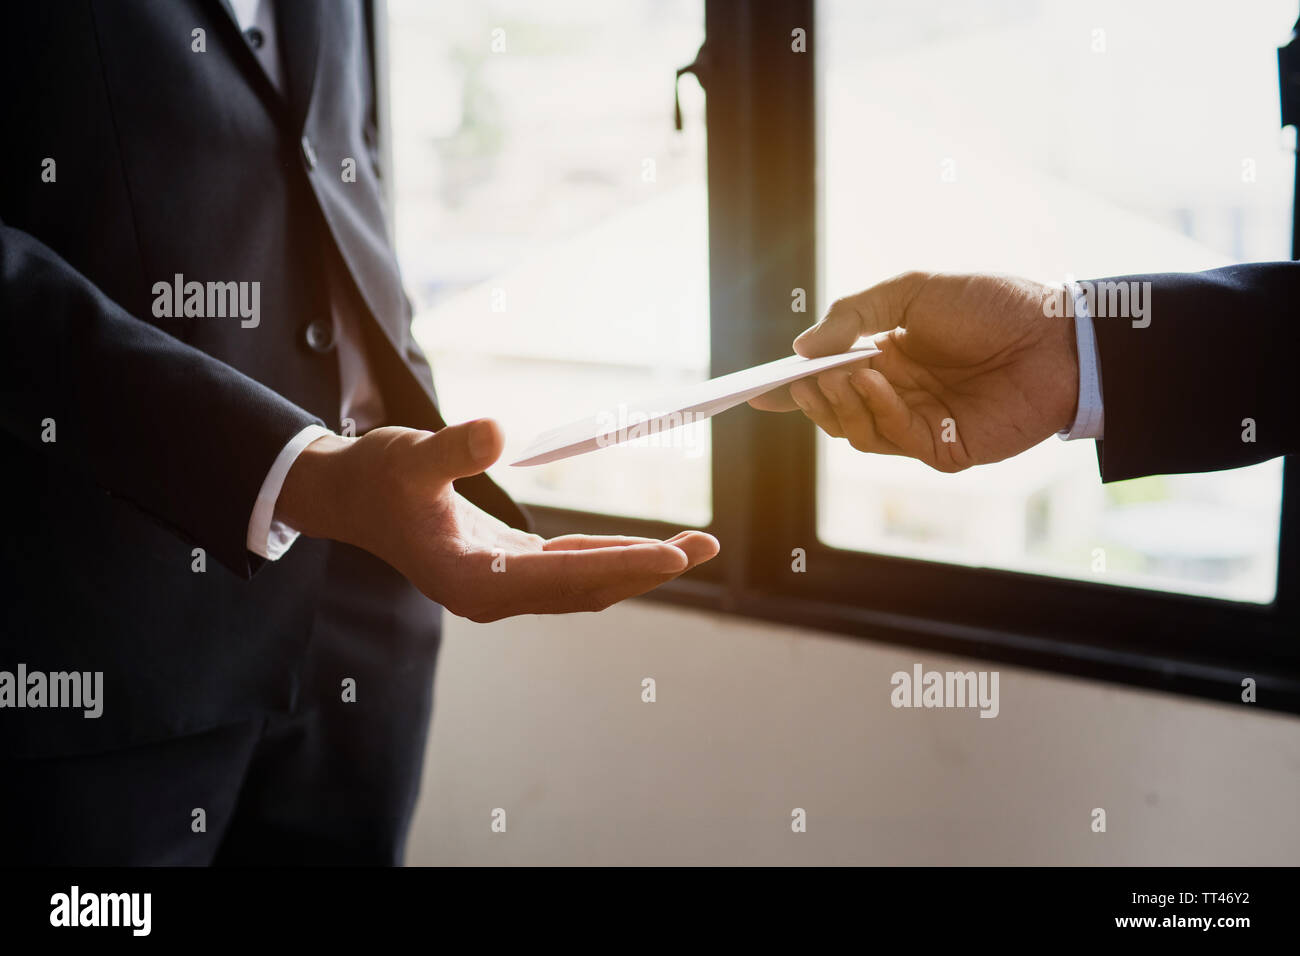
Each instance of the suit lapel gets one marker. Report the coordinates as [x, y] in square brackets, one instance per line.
[299, 23]
[244, 56]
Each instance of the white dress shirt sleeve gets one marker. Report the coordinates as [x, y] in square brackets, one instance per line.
[267, 537]
[1089, 419]
[360, 396]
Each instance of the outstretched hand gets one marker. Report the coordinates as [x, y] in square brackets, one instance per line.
[973, 369]
[390, 492]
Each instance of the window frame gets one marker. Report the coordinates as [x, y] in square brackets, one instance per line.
[763, 199]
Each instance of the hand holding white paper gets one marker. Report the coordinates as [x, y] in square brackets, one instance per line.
[682, 407]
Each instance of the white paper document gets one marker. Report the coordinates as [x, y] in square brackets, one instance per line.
[638, 419]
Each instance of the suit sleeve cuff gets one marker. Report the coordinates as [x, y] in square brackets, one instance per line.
[1089, 418]
[267, 537]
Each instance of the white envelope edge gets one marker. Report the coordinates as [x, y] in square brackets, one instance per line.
[685, 406]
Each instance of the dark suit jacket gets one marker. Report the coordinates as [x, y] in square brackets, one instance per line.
[167, 161]
[1218, 351]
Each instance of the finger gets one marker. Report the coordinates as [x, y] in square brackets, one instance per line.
[558, 582]
[698, 546]
[459, 451]
[780, 399]
[777, 400]
[896, 364]
[895, 422]
[815, 405]
[854, 416]
[585, 542]
[878, 309]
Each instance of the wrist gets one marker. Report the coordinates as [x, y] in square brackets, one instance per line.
[314, 499]
[1070, 332]
[1063, 344]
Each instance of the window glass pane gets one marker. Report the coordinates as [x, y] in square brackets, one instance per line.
[552, 228]
[1046, 139]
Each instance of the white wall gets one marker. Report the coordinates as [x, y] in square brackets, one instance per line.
[543, 717]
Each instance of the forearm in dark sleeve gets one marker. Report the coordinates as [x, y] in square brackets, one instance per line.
[152, 420]
[1203, 381]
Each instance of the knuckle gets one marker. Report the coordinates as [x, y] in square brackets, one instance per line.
[594, 601]
[483, 616]
[471, 610]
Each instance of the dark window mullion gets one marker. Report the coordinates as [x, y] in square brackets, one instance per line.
[762, 235]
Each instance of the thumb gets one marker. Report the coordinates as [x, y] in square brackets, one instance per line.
[878, 309]
[459, 451]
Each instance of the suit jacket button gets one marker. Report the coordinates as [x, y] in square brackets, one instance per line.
[319, 336]
[255, 37]
[308, 153]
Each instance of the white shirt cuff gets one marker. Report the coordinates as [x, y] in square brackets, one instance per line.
[1089, 419]
[267, 537]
